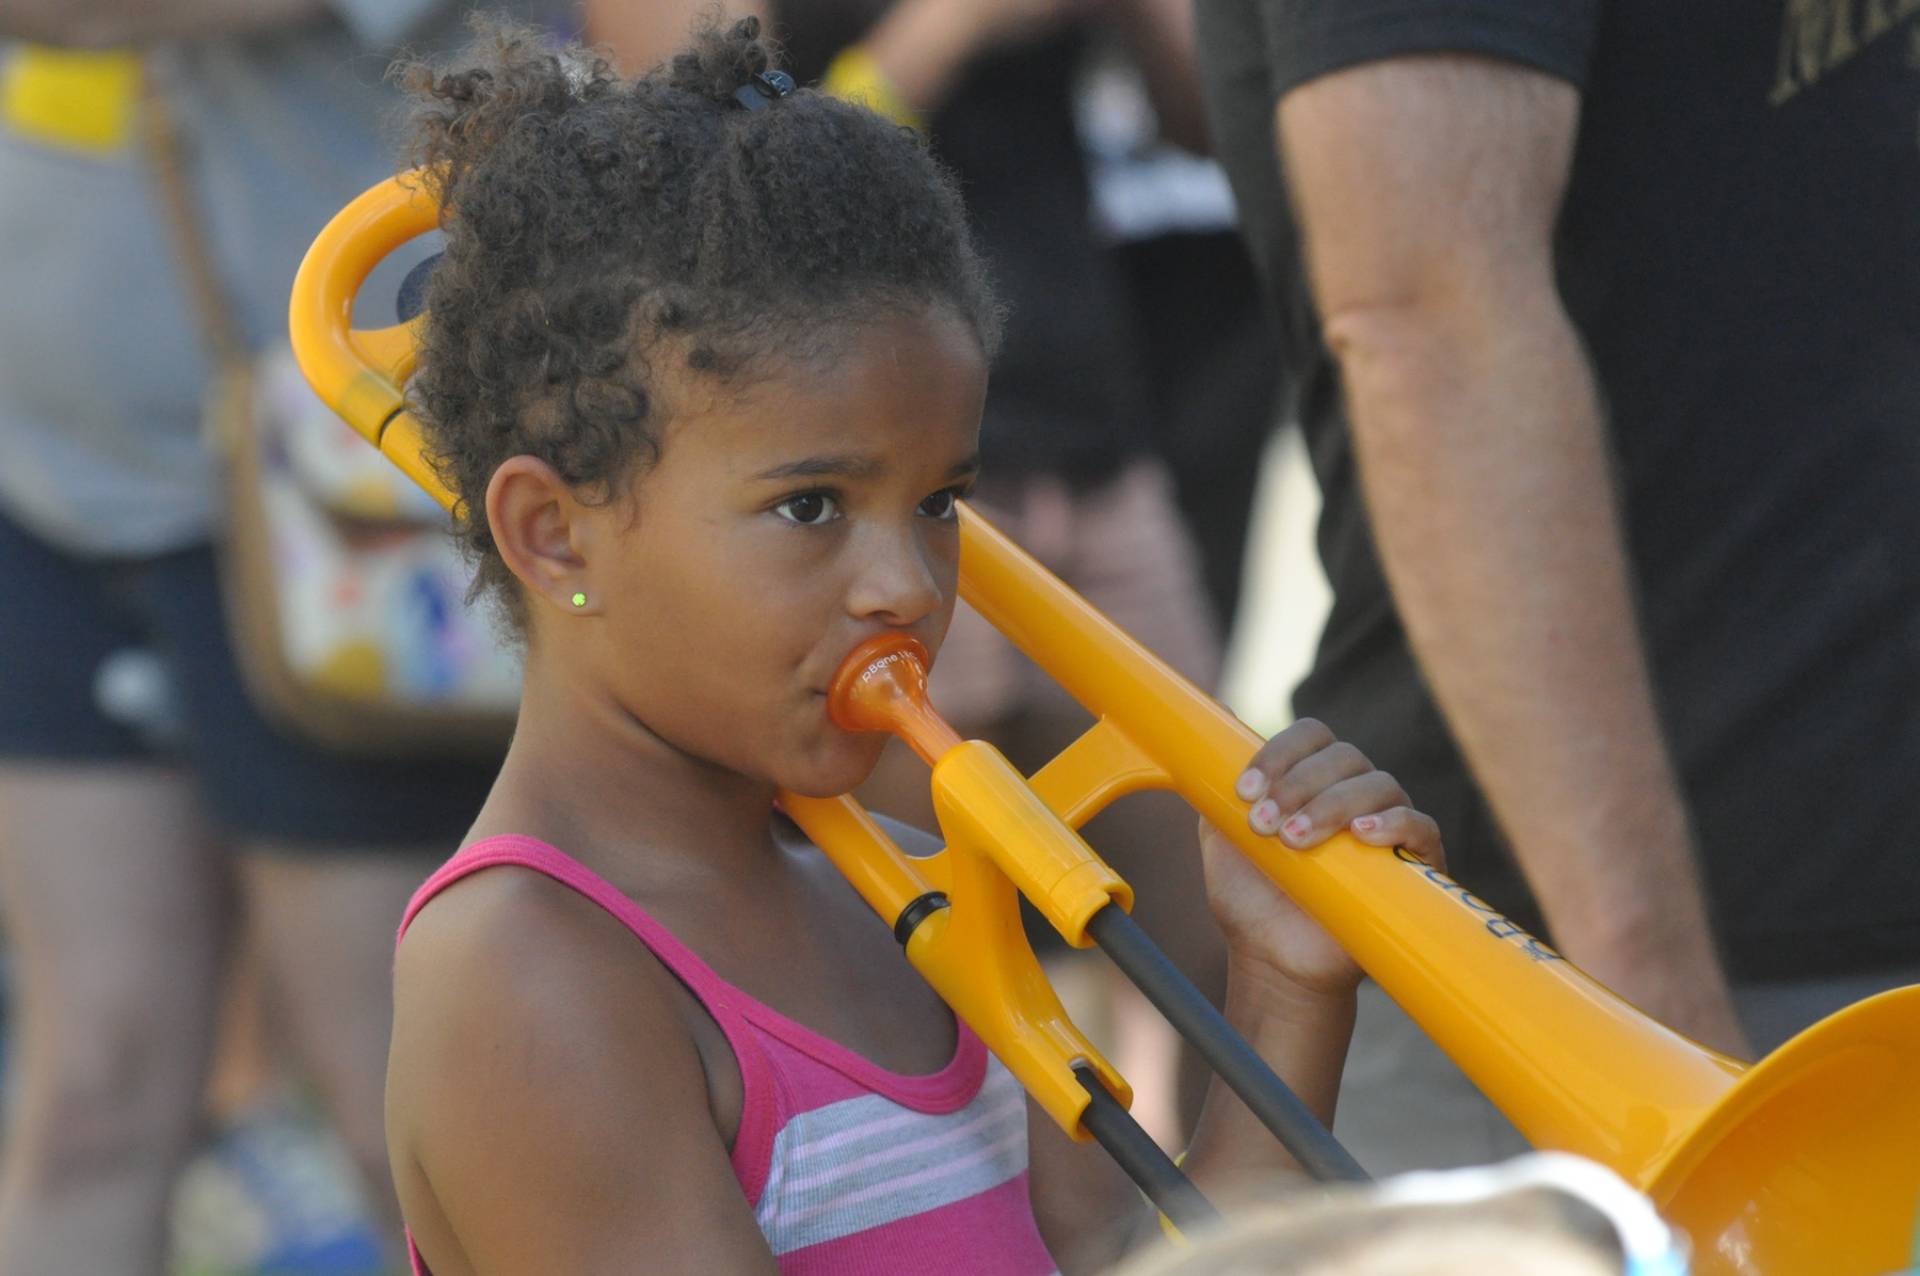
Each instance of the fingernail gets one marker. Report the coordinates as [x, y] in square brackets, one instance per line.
[1297, 828]
[1249, 784]
[1366, 824]
[1265, 816]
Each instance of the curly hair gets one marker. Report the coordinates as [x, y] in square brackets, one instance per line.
[600, 230]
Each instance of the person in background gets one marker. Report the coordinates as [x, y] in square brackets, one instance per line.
[1073, 476]
[1203, 367]
[136, 776]
[1168, 219]
[1603, 321]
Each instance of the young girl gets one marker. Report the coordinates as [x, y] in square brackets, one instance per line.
[705, 364]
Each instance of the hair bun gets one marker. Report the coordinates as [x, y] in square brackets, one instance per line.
[719, 62]
[508, 80]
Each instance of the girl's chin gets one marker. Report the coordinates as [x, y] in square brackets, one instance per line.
[840, 768]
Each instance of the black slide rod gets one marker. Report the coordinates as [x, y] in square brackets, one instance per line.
[1225, 1050]
[1151, 1169]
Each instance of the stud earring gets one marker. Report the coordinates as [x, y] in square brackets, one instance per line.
[579, 600]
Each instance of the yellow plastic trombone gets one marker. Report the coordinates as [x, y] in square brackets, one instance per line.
[1804, 1164]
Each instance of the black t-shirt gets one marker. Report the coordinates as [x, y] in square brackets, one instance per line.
[1065, 396]
[1739, 248]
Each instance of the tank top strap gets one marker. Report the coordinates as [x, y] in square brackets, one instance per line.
[551, 861]
[760, 1107]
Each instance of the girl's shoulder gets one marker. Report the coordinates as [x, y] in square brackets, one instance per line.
[513, 940]
[541, 1063]
[512, 955]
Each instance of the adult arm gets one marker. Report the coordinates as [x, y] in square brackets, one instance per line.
[548, 1109]
[920, 47]
[1160, 37]
[641, 34]
[1427, 189]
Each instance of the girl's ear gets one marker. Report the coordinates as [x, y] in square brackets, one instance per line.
[543, 533]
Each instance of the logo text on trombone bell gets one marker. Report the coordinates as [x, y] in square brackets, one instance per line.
[1497, 926]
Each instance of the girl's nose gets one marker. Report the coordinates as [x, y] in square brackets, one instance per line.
[897, 581]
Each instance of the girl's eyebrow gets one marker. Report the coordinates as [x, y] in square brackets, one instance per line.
[825, 467]
[855, 467]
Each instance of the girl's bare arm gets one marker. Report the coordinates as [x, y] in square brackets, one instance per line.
[1290, 993]
[1092, 1215]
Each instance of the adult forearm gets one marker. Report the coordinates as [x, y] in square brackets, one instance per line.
[100, 24]
[641, 34]
[921, 47]
[1161, 38]
[1487, 478]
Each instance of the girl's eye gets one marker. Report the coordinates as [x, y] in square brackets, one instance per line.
[809, 509]
[941, 503]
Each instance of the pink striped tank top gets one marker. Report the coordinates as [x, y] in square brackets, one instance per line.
[850, 1169]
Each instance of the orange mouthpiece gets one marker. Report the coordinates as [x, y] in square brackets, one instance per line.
[882, 686]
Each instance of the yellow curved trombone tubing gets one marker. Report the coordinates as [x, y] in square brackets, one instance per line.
[1806, 1163]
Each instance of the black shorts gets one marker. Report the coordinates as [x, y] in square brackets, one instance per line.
[116, 660]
